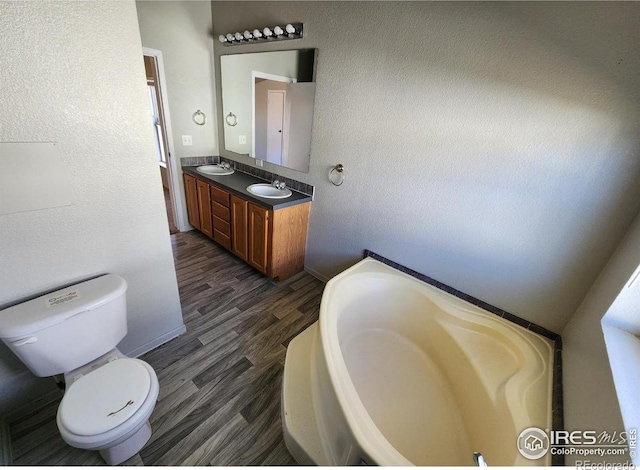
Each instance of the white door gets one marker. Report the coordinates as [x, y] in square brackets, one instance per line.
[275, 125]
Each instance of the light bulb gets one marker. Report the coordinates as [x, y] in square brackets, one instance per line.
[257, 34]
[222, 38]
[230, 37]
[267, 32]
[278, 31]
[290, 29]
[247, 35]
[238, 37]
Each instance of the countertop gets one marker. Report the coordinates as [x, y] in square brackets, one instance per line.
[237, 183]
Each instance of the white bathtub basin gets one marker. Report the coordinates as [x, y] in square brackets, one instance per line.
[399, 372]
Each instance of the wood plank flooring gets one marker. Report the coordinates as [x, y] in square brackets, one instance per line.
[220, 382]
[167, 202]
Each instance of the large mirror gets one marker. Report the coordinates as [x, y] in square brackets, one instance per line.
[267, 104]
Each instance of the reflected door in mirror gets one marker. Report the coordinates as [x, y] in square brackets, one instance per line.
[275, 124]
[272, 94]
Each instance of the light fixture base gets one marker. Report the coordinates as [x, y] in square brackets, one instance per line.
[298, 34]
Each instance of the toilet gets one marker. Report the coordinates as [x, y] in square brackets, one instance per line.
[74, 331]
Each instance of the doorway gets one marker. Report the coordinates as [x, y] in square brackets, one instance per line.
[159, 122]
[261, 87]
[275, 125]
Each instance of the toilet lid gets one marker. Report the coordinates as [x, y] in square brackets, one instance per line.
[105, 398]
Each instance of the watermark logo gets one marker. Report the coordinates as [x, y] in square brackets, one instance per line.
[533, 443]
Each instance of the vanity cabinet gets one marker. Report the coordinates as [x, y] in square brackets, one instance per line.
[191, 191]
[258, 231]
[221, 216]
[204, 208]
[272, 241]
[240, 231]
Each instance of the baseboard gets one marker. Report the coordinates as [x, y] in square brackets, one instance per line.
[316, 274]
[145, 348]
[5, 444]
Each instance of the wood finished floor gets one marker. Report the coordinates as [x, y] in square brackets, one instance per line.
[220, 382]
[167, 203]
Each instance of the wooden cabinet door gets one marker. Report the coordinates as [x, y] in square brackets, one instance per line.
[204, 208]
[258, 230]
[191, 192]
[239, 233]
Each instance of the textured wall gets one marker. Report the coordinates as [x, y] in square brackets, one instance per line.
[72, 73]
[589, 393]
[490, 145]
[182, 31]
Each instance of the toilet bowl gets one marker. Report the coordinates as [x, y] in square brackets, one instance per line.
[74, 331]
[109, 408]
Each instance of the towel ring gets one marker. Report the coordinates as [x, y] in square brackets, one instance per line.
[231, 119]
[336, 175]
[199, 118]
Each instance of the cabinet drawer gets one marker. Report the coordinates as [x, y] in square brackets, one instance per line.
[222, 226]
[221, 211]
[222, 239]
[220, 196]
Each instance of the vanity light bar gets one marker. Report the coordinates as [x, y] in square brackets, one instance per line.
[290, 31]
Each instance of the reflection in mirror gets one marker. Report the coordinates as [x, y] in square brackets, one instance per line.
[271, 95]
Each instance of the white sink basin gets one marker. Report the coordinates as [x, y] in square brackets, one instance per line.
[268, 191]
[214, 170]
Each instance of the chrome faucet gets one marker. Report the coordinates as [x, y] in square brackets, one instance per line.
[479, 459]
[279, 184]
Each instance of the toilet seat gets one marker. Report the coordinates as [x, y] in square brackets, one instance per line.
[95, 412]
[105, 398]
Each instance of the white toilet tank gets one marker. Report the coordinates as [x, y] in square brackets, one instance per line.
[63, 330]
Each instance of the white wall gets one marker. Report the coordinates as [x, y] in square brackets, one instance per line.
[590, 400]
[182, 31]
[490, 145]
[624, 313]
[72, 73]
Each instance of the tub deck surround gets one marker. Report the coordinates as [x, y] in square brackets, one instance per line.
[237, 184]
[400, 372]
[557, 392]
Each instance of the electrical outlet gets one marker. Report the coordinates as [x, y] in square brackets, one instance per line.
[187, 140]
[259, 162]
[242, 139]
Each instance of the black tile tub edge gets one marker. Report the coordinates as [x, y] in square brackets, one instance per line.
[557, 398]
[557, 403]
[473, 300]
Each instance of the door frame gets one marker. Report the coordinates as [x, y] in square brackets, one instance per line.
[267, 76]
[172, 164]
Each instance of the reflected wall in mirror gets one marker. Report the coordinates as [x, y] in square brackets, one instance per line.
[270, 98]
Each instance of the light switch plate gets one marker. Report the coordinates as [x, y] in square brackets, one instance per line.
[242, 139]
[187, 140]
[259, 162]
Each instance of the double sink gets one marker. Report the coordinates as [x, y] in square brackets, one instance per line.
[265, 190]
